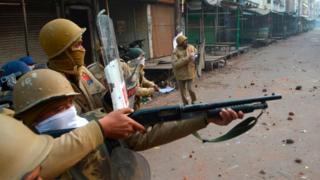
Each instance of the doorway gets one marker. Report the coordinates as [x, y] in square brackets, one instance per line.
[82, 16]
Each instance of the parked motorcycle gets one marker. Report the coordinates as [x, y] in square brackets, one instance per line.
[129, 52]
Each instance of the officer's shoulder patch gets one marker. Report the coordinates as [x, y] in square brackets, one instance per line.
[87, 78]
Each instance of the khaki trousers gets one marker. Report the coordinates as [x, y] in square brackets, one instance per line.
[185, 85]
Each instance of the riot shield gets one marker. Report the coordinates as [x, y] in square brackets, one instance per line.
[110, 55]
[125, 163]
[129, 165]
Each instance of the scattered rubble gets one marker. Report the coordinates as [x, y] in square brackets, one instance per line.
[302, 175]
[262, 172]
[298, 161]
[288, 141]
[303, 131]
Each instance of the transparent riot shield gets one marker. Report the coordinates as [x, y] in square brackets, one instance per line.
[129, 165]
[125, 163]
[110, 54]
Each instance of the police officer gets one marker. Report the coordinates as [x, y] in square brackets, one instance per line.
[61, 40]
[145, 87]
[43, 101]
[23, 154]
[183, 63]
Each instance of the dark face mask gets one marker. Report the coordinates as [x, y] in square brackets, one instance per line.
[78, 57]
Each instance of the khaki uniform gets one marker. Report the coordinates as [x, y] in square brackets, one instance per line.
[184, 71]
[145, 88]
[97, 70]
[6, 111]
[91, 91]
[183, 68]
[71, 147]
[64, 151]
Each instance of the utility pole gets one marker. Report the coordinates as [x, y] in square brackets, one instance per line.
[216, 24]
[23, 5]
[178, 17]
[238, 28]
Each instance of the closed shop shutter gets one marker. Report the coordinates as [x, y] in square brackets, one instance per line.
[162, 29]
[11, 33]
[12, 42]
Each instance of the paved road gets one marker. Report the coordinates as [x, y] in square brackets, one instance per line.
[280, 146]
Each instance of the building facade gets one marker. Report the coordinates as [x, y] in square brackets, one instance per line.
[151, 20]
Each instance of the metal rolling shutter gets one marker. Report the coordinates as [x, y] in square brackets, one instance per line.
[11, 33]
[12, 45]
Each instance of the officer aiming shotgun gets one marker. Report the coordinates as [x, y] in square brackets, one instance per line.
[152, 116]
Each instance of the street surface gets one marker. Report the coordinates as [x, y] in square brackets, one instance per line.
[285, 143]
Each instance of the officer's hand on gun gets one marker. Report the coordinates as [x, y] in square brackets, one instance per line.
[226, 117]
[117, 125]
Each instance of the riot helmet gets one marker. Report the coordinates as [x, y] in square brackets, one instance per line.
[59, 34]
[38, 86]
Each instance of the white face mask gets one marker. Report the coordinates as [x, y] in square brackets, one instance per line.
[142, 60]
[139, 60]
[63, 120]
